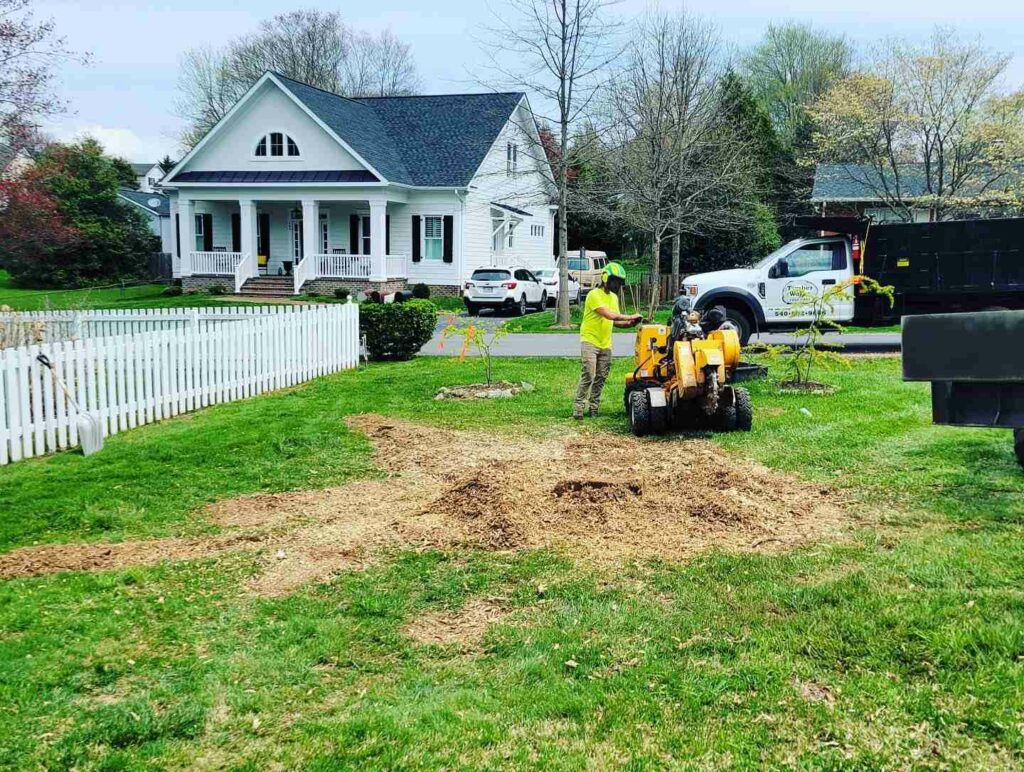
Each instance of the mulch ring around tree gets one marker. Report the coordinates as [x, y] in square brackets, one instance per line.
[602, 499]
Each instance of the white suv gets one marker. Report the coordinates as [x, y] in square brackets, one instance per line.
[514, 288]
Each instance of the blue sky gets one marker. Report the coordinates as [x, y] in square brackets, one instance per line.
[126, 96]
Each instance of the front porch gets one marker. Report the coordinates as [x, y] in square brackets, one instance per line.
[296, 242]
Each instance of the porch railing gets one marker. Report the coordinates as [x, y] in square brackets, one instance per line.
[215, 263]
[397, 267]
[304, 270]
[245, 270]
[344, 266]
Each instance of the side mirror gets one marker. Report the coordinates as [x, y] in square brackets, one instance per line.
[773, 272]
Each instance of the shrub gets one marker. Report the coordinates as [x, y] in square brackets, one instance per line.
[172, 291]
[397, 330]
[218, 289]
[420, 291]
[341, 293]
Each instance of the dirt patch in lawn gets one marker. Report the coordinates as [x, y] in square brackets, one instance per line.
[463, 627]
[602, 498]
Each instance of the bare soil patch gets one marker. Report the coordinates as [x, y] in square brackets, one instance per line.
[463, 627]
[604, 499]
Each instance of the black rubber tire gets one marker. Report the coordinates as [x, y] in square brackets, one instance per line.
[659, 419]
[521, 308]
[639, 414]
[1018, 445]
[725, 417]
[744, 327]
[744, 409]
[472, 309]
[543, 301]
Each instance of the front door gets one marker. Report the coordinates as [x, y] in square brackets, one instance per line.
[263, 240]
[804, 273]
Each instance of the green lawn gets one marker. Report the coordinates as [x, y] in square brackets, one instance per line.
[899, 646]
[140, 296]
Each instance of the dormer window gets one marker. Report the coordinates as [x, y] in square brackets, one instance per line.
[276, 144]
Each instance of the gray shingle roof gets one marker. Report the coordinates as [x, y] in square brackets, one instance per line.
[860, 182]
[142, 168]
[432, 141]
[162, 206]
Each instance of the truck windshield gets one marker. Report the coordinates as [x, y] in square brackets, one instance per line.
[775, 255]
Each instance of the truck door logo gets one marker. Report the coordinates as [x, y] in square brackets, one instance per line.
[795, 291]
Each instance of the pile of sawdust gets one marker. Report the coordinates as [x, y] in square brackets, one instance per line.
[604, 499]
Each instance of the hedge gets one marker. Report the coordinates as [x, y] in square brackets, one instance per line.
[397, 330]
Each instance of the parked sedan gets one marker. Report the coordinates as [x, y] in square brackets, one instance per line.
[514, 289]
[549, 278]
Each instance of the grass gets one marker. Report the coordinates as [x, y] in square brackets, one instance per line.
[139, 296]
[900, 646]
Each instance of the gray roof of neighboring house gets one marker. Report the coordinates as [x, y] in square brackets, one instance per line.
[860, 182]
[152, 202]
[430, 141]
[141, 169]
[355, 175]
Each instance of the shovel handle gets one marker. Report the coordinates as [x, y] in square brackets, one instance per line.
[45, 362]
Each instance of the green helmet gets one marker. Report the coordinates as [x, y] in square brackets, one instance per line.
[613, 269]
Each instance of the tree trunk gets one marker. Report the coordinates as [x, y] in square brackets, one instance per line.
[563, 228]
[655, 275]
[676, 249]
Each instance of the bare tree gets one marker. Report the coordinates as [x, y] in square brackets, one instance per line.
[676, 167]
[315, 47]
[926, 127]
[559, 50]
[29, 50]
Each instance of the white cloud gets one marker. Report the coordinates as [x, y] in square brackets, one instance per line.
[120, 142]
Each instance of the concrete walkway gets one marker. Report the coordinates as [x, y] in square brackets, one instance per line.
[568, 345]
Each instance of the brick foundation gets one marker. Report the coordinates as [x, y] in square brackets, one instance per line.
[327, 286]
[205, 282]
[445, 290]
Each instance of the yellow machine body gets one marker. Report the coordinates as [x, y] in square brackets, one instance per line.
[690, 359]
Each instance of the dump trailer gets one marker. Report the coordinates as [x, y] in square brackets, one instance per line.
[975, 364]
[951, 266]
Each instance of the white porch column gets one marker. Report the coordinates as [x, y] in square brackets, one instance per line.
[247, 224]
[310, 229]
[187, 219]
[378, 231]
[175, 250]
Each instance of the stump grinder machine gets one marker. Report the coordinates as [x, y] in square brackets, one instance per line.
[683, 375]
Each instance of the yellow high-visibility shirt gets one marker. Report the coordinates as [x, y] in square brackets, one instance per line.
[595, 328]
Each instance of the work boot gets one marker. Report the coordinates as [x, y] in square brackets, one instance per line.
[577, 416]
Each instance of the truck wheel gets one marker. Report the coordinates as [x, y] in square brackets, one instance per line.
[1018, 445]
[744, 409]
[639, 414]
[743, 326]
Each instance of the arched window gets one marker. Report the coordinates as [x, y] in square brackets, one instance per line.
[276, 145]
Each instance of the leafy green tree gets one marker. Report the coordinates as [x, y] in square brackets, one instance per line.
[126, 176]
[112, 241]
[167, 163]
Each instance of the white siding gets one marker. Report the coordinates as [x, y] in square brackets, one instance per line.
[528, 189]
[231, 149]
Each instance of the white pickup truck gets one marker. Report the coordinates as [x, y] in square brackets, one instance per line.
[762, 297]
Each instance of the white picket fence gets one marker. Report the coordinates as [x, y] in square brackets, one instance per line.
[130, 380]
[51, 326]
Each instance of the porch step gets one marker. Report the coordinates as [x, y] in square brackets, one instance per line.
[269, 287]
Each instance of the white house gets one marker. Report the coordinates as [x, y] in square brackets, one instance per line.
[368, 193]
[147, 177]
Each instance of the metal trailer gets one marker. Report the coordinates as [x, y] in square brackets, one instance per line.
[975, 363]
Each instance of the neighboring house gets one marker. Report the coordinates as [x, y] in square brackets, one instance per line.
[147, 177]
[368, 193]
[853, 189]
[157, 209]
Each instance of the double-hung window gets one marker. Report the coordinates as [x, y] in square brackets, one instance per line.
[200, 233]
[511, 234]
[511, 158]
[325, 234]
[433, 237]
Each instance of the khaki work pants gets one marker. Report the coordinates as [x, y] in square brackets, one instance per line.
[596, 362]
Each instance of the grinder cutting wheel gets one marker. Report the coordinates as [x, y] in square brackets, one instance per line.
[682, 375]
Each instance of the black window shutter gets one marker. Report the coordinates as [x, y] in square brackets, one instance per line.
[236, 232]
[415, 239]
[353, 234]
[449, 232]
[207, 232]
[387, 234]
[177, 234]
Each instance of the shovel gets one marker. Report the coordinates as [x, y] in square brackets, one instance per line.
[90, 433]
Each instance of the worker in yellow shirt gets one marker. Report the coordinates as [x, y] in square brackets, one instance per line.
[600, 314]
